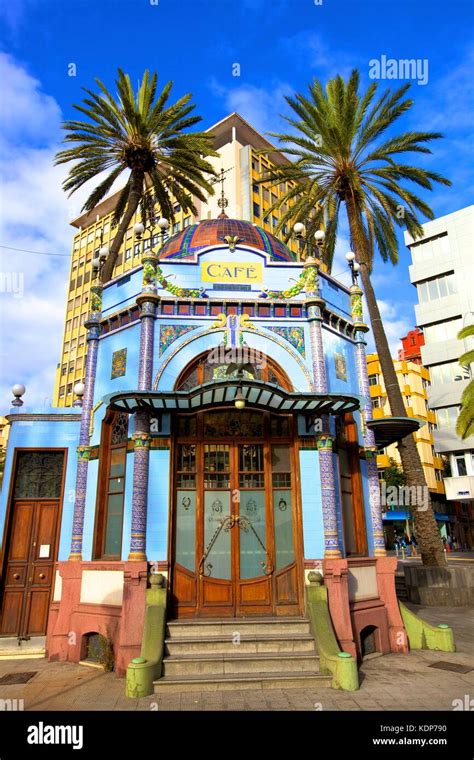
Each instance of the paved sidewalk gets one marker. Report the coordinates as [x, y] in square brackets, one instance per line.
[393, 682]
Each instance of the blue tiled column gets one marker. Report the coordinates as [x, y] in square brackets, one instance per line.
[147, 301]
[366, 414]
[314, 306]
[83, 450]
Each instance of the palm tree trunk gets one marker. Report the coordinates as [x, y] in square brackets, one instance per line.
[136, 185]
[427, 533]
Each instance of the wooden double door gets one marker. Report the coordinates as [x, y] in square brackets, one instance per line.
[31, 551]
[236, 548]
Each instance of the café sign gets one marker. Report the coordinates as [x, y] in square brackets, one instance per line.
[223, 271]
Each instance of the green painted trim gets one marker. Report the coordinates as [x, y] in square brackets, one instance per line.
[423, 635]
[143, 670]
[341, 665]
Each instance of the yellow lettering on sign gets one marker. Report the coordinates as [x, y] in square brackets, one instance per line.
[222, 271]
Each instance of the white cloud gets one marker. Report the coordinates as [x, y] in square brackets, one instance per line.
[260, 106]
[35, 216]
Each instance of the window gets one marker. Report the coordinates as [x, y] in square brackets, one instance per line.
[128, 254]
[75, 323]
[136, 249]
[438, 475]
[69, 388]
[61, 391]
[77, 301]
[438, 287]
[274, 222]
[446, 416]
[376, 402]
[64, 369]
[256, 210]
[255, 188]
[373, 379]
[176, 227]
[70, 304]
[90, 237]
[186, 221]
[176, 208]
[146, 244]
[405, 378]
[461, 465]
[68, 325]
[449, 372]
[39, 474]
[442, 330]
[108, 539]
[66, 347]
[408, 400]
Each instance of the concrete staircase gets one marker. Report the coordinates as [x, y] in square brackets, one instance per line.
[239, 653]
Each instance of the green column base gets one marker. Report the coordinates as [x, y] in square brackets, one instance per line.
[143, 670]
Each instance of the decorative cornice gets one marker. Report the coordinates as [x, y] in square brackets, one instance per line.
[25, 417]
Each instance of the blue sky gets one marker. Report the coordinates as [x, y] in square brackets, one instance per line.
[279, 44]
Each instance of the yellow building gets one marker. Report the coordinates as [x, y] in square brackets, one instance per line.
[239, 146]
[414, 380]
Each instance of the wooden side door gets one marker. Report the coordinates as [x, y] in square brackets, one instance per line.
[32, 550]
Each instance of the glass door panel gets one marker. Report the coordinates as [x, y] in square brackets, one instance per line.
[282, 506]
[252, 534]
[252, 513]
[216, 560]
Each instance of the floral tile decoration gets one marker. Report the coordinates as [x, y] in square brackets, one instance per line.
[119, 363]
[294, 335]
[170, 333]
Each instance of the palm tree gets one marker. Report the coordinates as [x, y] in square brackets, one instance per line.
[465, 421]
[143, 134]
[342, 156]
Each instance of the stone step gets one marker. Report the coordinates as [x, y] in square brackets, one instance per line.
[188, 665]
[401, 587]
[228, 682]
[248, 644]
[214, 627]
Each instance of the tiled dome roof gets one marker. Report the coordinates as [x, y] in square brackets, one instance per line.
[186, 244]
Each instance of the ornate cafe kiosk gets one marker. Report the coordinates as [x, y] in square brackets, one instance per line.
[216, 474]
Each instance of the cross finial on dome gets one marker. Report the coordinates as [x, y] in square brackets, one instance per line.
[222, 202]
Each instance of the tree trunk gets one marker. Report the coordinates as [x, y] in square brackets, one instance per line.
[135, 193]
[427, 533]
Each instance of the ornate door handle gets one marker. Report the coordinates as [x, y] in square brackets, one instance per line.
[16, 576]
[42, 576]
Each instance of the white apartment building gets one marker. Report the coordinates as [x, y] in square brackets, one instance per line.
[443, 273]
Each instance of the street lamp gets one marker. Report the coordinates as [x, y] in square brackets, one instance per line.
[18, 391]
[354, 266]
[319, 236]
[78, 389]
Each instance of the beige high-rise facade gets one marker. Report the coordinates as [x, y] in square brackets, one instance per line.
[414, 381]
[239, 146]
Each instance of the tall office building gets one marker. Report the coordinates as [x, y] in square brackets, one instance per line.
[413, 379]
[238, 145]
[443, 273]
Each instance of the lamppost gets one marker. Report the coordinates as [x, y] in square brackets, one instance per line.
[353, 265]
[18, 391]
[299, 230]
[161, 222]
